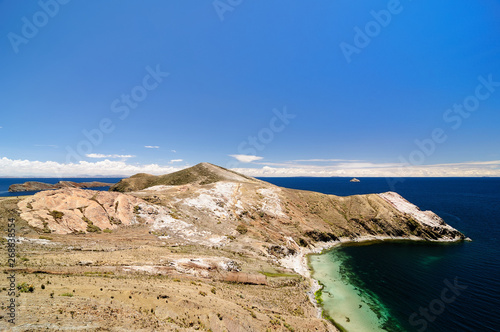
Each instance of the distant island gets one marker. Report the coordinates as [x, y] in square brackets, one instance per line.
[37, 186]
[355, 180]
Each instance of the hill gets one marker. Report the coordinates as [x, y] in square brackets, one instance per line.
[203, 173]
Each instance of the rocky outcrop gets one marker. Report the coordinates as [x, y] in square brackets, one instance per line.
[73, 210]
[37, 186]
[78, 211]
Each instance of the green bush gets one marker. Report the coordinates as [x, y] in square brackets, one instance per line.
[242, 229]
[25, 288]
[91, 228]
[56, 214]
[46, 228]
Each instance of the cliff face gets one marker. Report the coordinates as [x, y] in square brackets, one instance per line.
[35, 186]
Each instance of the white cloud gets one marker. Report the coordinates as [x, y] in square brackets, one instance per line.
[361, 169]
[29, 168]
[323, 160]
[173, 151]
[243, 158]
[102, 156]
[176, 161]
[151, 146]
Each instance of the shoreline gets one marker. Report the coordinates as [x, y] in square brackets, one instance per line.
[301, 264]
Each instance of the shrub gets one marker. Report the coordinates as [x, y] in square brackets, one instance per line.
[242, 229]
[321, 236]
[25, 288]
[56, 214]
[114, 221]
[46, 228]
[92, 228]
[302, 242]
[67, 294]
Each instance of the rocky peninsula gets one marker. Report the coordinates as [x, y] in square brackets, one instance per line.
[202, 248]
[37, 186]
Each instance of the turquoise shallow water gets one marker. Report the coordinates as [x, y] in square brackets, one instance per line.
[419, 286]
[346, 299]
[392, 280]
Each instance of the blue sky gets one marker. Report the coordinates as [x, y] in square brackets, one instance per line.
[276, 88]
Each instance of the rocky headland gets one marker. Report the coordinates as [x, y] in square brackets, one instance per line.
[224, 251]
[37, 186]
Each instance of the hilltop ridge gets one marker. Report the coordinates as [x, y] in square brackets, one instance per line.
[202, 173]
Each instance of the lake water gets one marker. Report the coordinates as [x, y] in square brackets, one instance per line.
[406, 286]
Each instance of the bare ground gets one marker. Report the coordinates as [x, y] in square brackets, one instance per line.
[132, 280]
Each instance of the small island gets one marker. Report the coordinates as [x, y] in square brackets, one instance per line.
[354, 180]
[37, 186]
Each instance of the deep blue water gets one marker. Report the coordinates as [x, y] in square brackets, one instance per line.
[6, 182]
[406, 277]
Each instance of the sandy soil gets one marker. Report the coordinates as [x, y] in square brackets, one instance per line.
[132, 280]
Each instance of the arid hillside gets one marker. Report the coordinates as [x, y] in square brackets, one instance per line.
[203, 173]
[200, 249]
